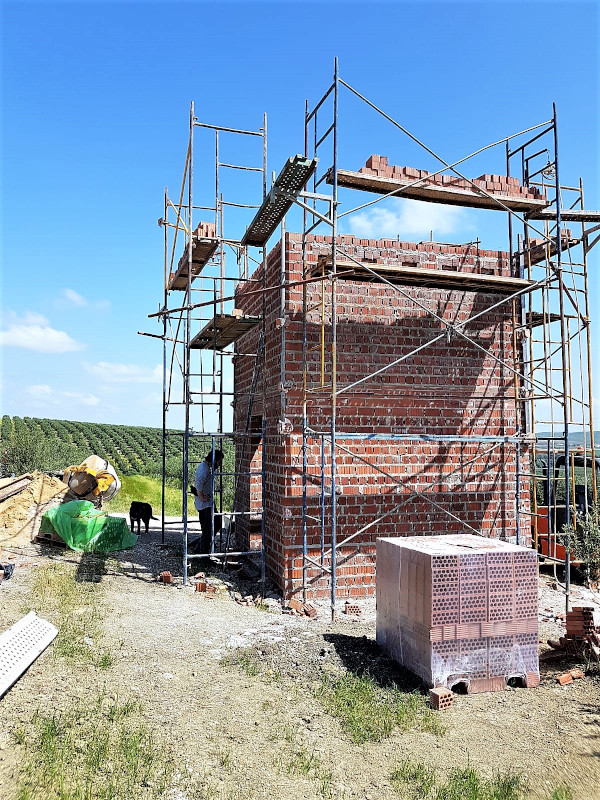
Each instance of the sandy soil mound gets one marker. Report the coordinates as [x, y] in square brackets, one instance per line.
[20, 515]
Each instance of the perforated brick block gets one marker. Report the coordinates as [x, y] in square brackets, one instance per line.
[478, 685]
[459, 609]
[352, 608]
[580, 621]
[310, 610]
[441, 699]
[533, 680]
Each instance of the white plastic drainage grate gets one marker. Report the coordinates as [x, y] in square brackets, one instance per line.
[21, 645]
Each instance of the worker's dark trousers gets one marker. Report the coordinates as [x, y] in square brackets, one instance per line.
[203, 544]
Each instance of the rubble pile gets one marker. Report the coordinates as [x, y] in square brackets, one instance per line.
[582, 638]
[297, 608]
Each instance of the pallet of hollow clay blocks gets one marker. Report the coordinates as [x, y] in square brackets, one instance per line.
[459, 610]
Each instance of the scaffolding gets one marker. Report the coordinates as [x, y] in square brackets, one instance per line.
[551, 323]
[199, 329]
[546, 294]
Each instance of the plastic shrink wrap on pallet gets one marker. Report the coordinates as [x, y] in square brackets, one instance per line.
[459, 609]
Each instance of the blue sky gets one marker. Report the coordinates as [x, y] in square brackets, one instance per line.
[95, 115]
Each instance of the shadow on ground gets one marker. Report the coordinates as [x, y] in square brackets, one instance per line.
[91, 567]
[361, 655]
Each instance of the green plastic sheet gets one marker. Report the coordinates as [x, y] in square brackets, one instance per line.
[86, 529]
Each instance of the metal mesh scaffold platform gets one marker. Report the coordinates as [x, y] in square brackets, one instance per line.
[290, 181]
[21, 645]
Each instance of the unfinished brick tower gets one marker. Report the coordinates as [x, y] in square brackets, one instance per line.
[426, 411]
[382, 388]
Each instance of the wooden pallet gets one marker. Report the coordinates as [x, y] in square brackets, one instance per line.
[50, 539]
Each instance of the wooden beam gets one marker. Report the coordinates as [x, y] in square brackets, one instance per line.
[426, 277]
[435, 194]
[566, 215]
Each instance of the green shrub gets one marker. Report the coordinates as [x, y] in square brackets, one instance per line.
[582, 538]
[26, 451]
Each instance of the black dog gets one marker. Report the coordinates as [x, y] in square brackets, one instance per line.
[140, 512]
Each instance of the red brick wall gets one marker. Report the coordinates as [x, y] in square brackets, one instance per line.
[451, 387]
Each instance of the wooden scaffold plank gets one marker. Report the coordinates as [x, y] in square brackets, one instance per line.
[424, 276]
[223, 330]
[434, 193]
[204, 245]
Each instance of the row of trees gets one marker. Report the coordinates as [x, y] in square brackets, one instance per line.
[50, 445]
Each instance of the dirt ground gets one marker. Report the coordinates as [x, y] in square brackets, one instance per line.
[239, 730]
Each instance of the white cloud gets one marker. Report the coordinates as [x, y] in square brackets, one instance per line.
[84, 399]
[46, 395]
[41, 390]
[76, 299]
[28, 318]
[33, 332]
[112, 372]
[407, 218]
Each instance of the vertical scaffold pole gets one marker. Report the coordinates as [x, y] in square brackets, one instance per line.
[304, 378]
[510, 229]
[565, 366]
[282, 317]
[164, 375]
[186, 354]
[334, 339]
[219, 232]
[263, 467]
[212, 494]
[322, 500]
[518, 479]
[589, 362]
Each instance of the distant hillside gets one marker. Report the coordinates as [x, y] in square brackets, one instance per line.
[132, 450]
[576, 438]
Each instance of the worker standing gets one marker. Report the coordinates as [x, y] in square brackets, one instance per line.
[204, 502]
